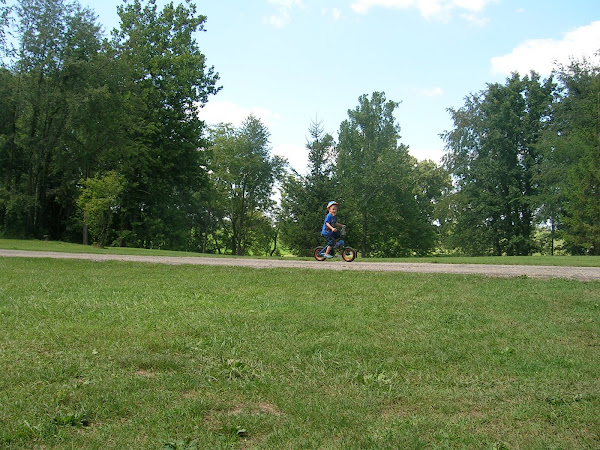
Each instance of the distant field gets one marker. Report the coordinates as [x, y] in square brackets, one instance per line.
[55, 246]
[128, 355]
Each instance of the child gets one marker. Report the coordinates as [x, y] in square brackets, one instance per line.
[330, 226]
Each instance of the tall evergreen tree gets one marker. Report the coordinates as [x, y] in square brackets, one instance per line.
[304, 197]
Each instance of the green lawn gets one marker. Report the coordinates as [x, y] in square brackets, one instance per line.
[132, 355]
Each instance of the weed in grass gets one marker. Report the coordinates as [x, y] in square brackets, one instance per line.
[71, 419]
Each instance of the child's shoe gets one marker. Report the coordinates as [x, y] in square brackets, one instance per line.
[328, 256]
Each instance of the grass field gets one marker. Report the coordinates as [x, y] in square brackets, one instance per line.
[131, 355]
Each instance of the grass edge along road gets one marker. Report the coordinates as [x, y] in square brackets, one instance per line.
[57, 246]
[115, 354]
[579, 268]
[577, 273]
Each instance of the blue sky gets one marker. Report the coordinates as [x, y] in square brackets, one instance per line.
[291, 62]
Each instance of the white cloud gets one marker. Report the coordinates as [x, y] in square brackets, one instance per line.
[471, 5]
[286, 3]
[476, 19]
[430, 9]
[427, 153]
[284, 12]
[334, 13]
[432, 92]
[434, 9]
[363, 6]
[279, 20]
[215, 112]
[541, 54]
[297, 155]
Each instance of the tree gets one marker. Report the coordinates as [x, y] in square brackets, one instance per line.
[5, 12]
[571, 146]
[74, 107]
[263, 235]
[431, 184]
[303, 198]
[99, 201]
[244, 173]
[375, 176]
[493, 155]
[57, 41]
[164, 81]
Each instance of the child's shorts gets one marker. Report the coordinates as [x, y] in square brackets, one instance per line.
[331, 238]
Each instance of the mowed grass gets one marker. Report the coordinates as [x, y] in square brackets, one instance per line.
[131, 355]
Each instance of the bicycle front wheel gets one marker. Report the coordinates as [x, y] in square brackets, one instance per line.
[348, 253]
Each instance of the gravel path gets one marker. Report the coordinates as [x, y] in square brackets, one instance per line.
[577, 273]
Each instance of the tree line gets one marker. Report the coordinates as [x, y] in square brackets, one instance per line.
[100, 142]
[520, 175]
[525, 157]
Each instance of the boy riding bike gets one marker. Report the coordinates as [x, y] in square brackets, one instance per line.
[330, 228]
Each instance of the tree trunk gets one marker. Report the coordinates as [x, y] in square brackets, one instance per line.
[85, 232]
[275, 244]
[552, 238]
[363, 243]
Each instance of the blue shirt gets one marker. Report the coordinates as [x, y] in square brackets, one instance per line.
[332, 221]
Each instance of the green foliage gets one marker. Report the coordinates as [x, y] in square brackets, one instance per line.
[76, 106]
[5, 12]
[571, 145]
[377, 184]
[39, 121]
[99, 201]
[165, 80]
[263, 235]
[494, 157]
[244, 174]
[431, 184]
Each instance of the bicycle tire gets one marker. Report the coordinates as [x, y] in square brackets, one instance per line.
[348, 254]
[316, 252]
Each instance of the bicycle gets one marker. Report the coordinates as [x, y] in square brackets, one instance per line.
[348, 253]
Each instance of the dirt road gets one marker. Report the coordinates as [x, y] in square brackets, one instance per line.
[577, 273]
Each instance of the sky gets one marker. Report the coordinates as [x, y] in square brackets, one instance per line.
[295, 62]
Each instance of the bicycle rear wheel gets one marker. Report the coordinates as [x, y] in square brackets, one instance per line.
[316, 254]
